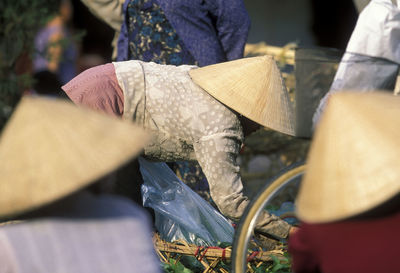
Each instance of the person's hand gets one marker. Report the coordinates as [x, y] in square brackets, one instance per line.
[292, 230]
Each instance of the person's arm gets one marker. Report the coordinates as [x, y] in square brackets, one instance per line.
[217, 155]
[109, 11]
[233, 25]
[194, 25]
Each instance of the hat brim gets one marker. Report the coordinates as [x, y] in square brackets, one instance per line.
[352, 163]
[252, 87]
[51, 148]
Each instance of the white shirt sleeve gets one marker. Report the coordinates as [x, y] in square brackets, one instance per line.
[377, 32]
[217, 156]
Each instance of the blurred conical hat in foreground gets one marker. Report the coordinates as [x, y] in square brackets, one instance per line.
[352, 165]
[251, 86]
[50, 148]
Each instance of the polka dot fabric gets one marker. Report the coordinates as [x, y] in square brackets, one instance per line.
[189, 124]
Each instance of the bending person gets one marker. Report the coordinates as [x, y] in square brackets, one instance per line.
[177, 32]
[196, 113]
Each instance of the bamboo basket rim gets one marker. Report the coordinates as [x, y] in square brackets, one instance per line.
[209, 256]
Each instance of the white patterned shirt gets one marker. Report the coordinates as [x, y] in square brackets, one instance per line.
[189, 124]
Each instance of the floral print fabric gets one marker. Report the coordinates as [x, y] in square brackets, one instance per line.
[151, 36]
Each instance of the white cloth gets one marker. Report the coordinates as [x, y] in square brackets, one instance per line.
[377, 32]
[372, 57]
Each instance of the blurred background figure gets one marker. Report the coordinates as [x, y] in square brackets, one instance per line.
[144, 92]
[371, 61]
[349, 199]
[55, 50]
[58, 199]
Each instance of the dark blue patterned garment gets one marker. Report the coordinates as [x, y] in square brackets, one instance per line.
[212, 31]
[151, 36]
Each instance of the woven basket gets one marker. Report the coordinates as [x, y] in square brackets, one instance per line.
[210, 257]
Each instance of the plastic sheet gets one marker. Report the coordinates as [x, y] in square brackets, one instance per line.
[180, 213]
[314, 72]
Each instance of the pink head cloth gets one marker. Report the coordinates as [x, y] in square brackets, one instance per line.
[98, 89]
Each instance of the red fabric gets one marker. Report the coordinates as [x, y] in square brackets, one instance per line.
[357, 246]
[98, 89]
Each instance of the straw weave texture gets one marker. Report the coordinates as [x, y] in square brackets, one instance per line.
[353, 160]
[51, 148]
[251, 86]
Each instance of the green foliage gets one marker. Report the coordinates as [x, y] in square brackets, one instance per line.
[174, 266]
[279, 265]
[192, 263]
[189, 264]
[19, 21]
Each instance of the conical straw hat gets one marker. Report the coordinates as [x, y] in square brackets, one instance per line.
[251, 86]
[352, 165]
[51, 148]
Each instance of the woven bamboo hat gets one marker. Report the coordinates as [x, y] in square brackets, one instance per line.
[50, 148]
[251, 86]
[352, 165]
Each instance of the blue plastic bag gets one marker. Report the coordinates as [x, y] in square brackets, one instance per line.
[180, 213]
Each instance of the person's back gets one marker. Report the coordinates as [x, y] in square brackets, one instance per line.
[170, 99]
[83, 233]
